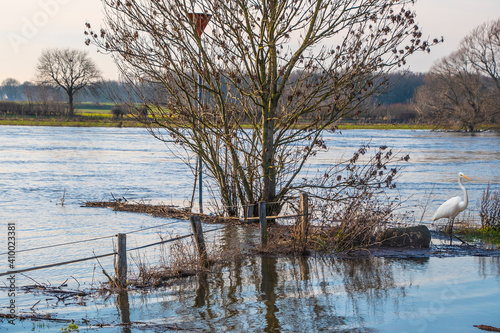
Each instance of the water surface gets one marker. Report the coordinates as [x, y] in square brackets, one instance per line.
[47, 173]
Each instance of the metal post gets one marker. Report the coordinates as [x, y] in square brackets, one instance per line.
[304, 219]
[200, 161]
[121, 262]
[263, 223]
[200, 21]
[200, 185]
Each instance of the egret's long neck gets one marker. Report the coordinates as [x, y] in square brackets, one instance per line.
[466, 197]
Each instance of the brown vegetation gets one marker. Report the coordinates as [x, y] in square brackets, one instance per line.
[489, 209]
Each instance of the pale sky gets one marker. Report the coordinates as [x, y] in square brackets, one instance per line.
[29, 26]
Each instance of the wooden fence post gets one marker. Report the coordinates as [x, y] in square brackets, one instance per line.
[263, 223]
[199, 239]
[121, 262]
[304, 219]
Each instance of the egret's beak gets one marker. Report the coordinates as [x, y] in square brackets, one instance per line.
[466, 177]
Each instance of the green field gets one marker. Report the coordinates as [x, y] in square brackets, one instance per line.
[101, 115]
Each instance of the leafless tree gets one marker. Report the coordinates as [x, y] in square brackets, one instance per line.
[462, 89]
[454, 93]
[274, 76]
[69, 70]
[483, 50]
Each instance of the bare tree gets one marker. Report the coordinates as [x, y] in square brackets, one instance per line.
[69, 70]
[463, 88]
[483, 50]
[455, 93]
[274, 76]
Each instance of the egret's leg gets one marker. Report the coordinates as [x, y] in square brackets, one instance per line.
[449, 226]
[450, 230]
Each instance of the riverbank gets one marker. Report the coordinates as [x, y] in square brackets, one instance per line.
[104, 120]
[77, 121]
[107, 121]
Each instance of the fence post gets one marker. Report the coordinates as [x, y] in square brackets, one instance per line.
[199, 239]
[121, 262]
[304, 219]
[263, 223]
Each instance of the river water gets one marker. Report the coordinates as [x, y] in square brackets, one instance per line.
[46, 173]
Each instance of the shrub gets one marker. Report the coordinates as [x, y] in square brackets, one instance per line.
[352, 199]
[118, 111]
[489, 209]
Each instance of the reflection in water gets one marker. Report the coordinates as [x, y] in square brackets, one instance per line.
[489, 266]
[275, 294]
[254, 294]
[124, 309]
[201, 291]
[304, 269]
[268, 294]
[302, 294]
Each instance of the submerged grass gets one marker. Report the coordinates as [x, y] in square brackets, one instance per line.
[489, 213]
[487, 235]
[180, 259]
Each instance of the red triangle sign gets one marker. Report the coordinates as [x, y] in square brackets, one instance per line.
[200, 20]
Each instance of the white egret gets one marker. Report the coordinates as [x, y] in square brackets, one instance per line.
[453, 206]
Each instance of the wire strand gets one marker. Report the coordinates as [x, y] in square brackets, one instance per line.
[89, 240]
[62, 244]
[99, 256]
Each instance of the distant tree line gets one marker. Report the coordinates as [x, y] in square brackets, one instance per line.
[36, 99]
[399, 95]
[108, 92]
[461, 90]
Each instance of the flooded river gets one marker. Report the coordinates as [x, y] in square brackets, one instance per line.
[47, 173]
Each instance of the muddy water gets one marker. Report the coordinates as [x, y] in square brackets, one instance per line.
[46, 173]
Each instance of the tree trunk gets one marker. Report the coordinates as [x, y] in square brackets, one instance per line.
[268, 163]
[71, 111]
[269, 181]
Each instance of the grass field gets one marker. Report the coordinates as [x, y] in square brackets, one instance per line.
[101, 115]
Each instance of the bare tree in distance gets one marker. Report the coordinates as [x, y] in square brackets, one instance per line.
[274, 75]
[67, 69]
[483, 49]
[462, 90]
[454, 93]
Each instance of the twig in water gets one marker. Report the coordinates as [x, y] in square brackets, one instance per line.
[33, 307]
[76, 281]
[63, 197]
[111, 280]
[63, 284]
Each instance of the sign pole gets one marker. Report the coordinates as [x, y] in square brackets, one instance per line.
[200, 20]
